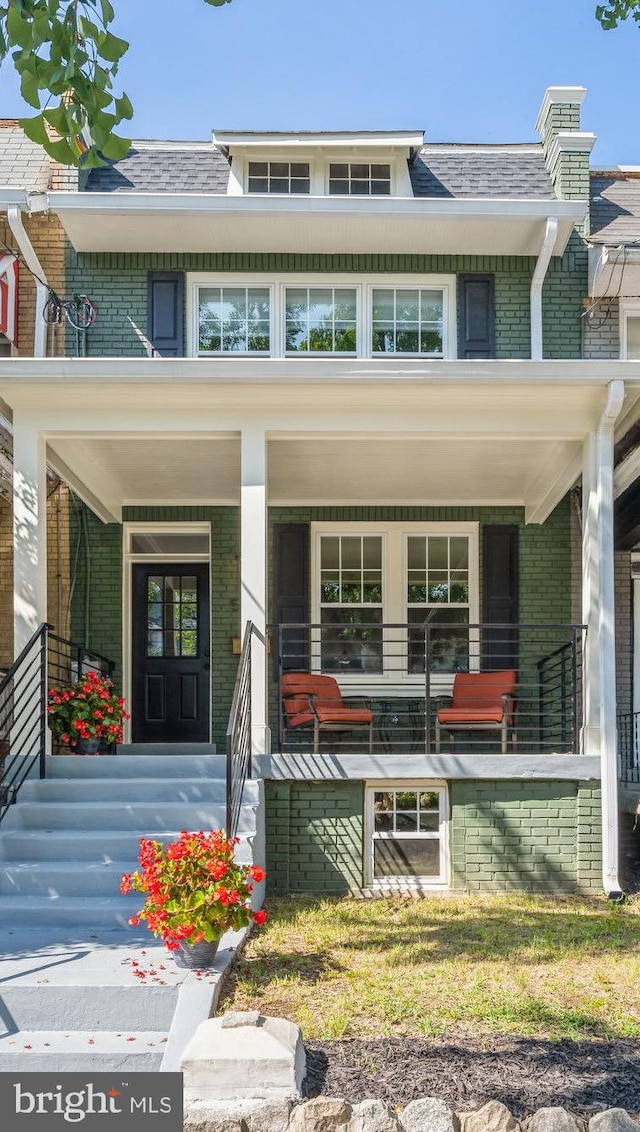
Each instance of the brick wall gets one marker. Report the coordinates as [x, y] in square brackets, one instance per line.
[532, 836]
[315, 836]
[117, 284]
[48, 239]
[601, 331]
[504, 835]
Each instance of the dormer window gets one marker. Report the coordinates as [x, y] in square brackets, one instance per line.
[278, 177]
[362, 180]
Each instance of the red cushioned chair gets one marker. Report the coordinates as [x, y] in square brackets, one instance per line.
[481, 701]
[316, 702]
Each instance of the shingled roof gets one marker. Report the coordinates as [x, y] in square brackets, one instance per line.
[23, 164]
[198, 168]
[491, 172]
[494, 172]
[615, 207]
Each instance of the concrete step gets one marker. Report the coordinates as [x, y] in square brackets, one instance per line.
[137, 766]
[74, 790]
[81, 847]
[82, 1051]
[145, 817]
[83, 913]
[63, 878]
[181, 749]
[90, 1007]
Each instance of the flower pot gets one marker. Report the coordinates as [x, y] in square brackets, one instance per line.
[196, 956]
[87, 747]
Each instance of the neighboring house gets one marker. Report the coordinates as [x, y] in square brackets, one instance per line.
[335, 389]
[612, 330]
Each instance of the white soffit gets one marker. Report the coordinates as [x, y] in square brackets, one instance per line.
[102, 222]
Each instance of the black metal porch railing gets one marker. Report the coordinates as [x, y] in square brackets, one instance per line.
[23, 718]
[407, 675]
[629, 746]
[239, 738]
[47, 661]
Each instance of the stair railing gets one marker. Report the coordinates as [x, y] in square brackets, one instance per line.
[23, 718]
[239, 738]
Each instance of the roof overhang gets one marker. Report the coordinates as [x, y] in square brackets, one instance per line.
[614, 272]
[167, 222]
[335, 139]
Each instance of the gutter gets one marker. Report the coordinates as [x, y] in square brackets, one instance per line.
[606, 640]
[14, 217]
[544, 258]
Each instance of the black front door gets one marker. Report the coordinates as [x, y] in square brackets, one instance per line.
[171, 695]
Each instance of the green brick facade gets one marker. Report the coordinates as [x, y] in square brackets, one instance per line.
[117, 285]
[504, 835]
[533, 836]
[96, 549]
[315, 836]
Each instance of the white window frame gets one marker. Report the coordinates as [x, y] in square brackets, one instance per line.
[290, 160]
[385, 885]
[364, 286]
[628, 308]
[406, 353]
[394, 604]
[366, 160]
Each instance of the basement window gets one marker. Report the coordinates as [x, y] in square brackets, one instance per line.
[407, 842]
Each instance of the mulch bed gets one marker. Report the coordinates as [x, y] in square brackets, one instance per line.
[525, 1074]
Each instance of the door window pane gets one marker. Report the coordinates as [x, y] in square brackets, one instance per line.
[172, 615]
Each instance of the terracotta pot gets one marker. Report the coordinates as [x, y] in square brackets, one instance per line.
[196, 956]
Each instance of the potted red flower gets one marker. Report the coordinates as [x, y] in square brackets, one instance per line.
[87, 714]
[195, 891]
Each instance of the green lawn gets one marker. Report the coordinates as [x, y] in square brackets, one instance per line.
[557, 967]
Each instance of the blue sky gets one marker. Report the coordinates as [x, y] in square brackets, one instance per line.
[461, 70]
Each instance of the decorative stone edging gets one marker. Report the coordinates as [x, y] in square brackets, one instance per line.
[428, 1114]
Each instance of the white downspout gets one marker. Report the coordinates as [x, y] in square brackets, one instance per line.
[544, 257]
[606, 643]
[14, 217]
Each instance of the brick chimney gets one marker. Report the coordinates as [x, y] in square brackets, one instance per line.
[566, 147]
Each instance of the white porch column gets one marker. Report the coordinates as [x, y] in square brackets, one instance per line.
[29, 531]
[253, 570]
[599, 613]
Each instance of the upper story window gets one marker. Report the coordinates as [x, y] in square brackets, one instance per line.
[630, 329]
[321, 320]
[363, 180]
[320, 316]
[407, 321]
[234, 320]
[278, 177]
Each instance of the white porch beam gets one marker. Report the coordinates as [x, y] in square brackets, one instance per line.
[109, 510]
[253, 570]
[598, 607]
[545, 494]
[29, 531]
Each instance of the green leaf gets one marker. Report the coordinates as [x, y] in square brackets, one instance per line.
[30, 89]
[124, 108]
[116, 148]
[111, 47]
[35, 130]
[18, 28]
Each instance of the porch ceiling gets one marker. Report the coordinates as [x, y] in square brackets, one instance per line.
[110, 472]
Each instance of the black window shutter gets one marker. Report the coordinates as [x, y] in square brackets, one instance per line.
[500, 596]
[291, 598]
[476, 317]
[165, 312]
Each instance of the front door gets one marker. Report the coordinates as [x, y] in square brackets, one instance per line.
[170, 701]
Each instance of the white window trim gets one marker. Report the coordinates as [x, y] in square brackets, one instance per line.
[390, 885]
[364, 286]
[394, 607]
[128, 560]
[628, 308]
[319, 169]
